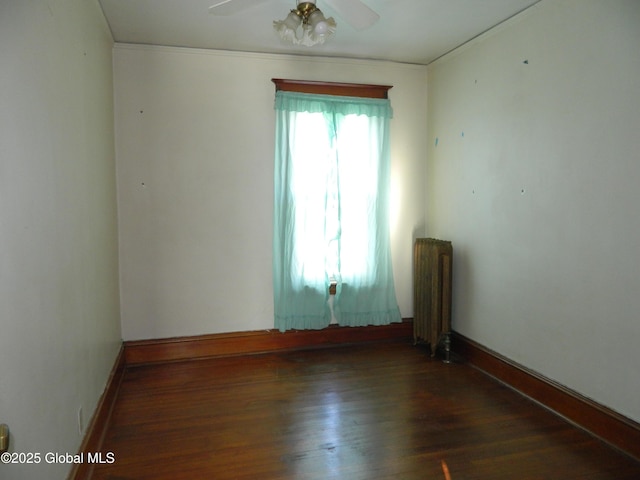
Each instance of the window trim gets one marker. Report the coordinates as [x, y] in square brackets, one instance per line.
[333, 88]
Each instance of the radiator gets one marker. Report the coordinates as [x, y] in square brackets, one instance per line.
[432, 264]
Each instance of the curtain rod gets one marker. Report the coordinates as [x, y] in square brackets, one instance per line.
[332, 88]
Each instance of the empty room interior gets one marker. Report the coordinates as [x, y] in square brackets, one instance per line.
[137, 183]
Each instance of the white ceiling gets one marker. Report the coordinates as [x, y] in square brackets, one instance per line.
[411, 31]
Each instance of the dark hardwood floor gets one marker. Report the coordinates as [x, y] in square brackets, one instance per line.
[373, 411]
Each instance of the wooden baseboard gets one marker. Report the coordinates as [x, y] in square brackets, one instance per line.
[244, 343]
[611, 427]
[97, 427]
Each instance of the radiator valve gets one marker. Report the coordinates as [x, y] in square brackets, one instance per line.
[447, 347]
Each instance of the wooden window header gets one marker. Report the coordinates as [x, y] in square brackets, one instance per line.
[331, 88]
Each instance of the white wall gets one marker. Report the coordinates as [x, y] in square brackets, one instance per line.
[195, 145]
[59, 305]
[540, 195]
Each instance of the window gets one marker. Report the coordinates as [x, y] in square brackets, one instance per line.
[331, 210]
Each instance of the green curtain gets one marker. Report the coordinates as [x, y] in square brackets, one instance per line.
[331, 211]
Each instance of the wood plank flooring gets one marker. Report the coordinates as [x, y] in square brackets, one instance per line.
[371, 411]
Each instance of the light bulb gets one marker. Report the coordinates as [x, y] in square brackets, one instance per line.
[318, 23]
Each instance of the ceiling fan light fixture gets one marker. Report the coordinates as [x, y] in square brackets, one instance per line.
[315, 27]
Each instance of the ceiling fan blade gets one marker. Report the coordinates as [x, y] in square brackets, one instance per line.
[231, 7]
[354, 12]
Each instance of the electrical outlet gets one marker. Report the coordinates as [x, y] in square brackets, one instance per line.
[80, 421]
[4, 438]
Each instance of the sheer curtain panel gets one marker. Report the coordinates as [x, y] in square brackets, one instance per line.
[331, 211]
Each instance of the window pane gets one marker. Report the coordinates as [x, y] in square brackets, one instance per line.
[358, 185]
[310, 157]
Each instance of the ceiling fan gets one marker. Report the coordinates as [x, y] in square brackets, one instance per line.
[354, 12]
